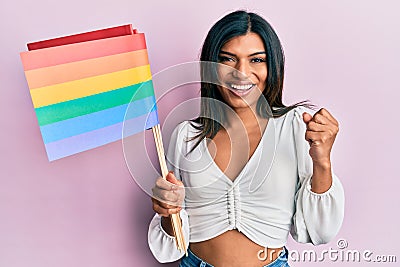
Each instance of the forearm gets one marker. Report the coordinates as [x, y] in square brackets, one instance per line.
[322, 177]
[166, 224]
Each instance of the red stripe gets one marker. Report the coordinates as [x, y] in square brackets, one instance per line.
[81, 51]
[82, 37]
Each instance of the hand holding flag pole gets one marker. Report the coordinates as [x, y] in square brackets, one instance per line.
[175, 218]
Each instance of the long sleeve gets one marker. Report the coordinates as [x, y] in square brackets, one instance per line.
[318, 217]
[163, 245]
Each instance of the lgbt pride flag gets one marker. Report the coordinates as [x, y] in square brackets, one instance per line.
[81, 86]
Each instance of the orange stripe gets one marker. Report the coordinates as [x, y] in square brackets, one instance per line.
[57, 55]
[86, 68]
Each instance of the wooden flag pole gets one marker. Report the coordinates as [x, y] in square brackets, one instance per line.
[175, 218]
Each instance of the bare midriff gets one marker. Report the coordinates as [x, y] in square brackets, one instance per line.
[234, 249]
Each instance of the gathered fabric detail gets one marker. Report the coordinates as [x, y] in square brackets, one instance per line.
[234, 207]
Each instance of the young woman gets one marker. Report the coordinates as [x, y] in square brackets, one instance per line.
[243, 175]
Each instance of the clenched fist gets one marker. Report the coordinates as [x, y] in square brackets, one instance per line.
[321, 132]
[168, 195]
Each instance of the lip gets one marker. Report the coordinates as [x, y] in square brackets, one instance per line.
[240, 89]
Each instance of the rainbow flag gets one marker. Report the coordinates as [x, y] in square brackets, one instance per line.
[81, 89]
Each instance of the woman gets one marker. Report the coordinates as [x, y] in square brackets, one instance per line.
[251, 174]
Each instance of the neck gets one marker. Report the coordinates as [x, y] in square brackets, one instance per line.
[246, 116]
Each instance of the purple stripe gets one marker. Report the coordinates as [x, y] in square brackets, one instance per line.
[79, 143]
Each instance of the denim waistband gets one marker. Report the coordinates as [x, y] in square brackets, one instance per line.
[191, 260]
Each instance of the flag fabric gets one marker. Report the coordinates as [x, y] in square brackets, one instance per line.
[81, 88]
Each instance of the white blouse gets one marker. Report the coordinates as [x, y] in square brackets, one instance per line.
[269, 198]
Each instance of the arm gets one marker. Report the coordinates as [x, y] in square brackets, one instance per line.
[320, 196]
[321, 131]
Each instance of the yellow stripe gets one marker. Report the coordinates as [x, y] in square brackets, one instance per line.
[57, 93]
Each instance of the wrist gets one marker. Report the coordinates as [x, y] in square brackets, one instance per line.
[322, 164]
[322, 176]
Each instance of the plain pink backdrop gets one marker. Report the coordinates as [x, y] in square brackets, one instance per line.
[86, 210]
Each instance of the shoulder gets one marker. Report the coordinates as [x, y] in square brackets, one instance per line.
[183, 138]
[298, 125]
[298, 111]
[292, 122]
[185, 130]
[296, 114]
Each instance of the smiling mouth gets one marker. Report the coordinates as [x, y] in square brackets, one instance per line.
[240, 90]
[241, 87]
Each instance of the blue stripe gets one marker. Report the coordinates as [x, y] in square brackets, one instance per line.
[99, 137]
[90, 122]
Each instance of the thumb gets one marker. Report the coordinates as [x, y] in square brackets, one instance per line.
[307, 117]
[172, 179]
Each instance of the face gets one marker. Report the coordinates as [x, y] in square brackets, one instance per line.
[246, 74]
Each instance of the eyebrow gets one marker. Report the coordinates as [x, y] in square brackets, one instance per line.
[233, 55]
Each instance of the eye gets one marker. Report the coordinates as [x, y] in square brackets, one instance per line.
[258, 60]
[225, 59]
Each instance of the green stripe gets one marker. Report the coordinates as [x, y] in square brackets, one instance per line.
[86, 105]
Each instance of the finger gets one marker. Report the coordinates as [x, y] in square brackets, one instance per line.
[165, 212]
[319, 137]
[164, 207]
[316, 127]
[171, 178]
[164, 204]
[166, 185]
[332, 128]
[169, 197]
[319, 118]
[165, 195]
[307, 117]
[328, 116]
[313, 137]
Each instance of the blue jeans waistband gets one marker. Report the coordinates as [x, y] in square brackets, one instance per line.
[194, 261]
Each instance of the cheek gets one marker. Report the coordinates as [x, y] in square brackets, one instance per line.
[223, 71]
[262, 85]
[264, 76]
[262, 73]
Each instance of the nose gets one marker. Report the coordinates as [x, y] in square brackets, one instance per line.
[243, 70]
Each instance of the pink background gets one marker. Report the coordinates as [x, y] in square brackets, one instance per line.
[86, 210]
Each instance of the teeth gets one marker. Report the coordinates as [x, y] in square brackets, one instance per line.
[241, 86]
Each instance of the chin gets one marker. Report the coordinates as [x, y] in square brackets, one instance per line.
[240, 99]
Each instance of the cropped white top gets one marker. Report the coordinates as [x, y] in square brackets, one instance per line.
[269, 198]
